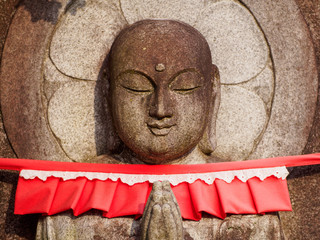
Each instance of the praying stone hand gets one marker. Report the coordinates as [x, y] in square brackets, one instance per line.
[161, 217]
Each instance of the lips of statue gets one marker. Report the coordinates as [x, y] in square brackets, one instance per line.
[159, 98]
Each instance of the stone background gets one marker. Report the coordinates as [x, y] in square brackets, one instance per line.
[11, 226]
[302, 223]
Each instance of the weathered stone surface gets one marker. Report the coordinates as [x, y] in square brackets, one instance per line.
[84, 37]
[21, 98]
[206, 228]
[237, 43]
[251, 227]
[5, 148]
[7, 10]
[263, 85]
[303, 182]
[53, 79]
[187, 11]
[87, 226]
[74, 121]
[240, 122]
[295, 78]
[94, 227]
[11, 226]
[303, 221]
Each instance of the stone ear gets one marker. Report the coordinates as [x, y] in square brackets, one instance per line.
[208, 141]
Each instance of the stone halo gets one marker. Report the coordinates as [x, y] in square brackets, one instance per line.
[252, 118]
[283, 135]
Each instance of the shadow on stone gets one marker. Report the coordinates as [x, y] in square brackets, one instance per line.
[106, 139]
[73, 6]
[45, 10]
[21, 225]
[304, 171]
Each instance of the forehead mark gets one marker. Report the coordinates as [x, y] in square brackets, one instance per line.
[160, 67]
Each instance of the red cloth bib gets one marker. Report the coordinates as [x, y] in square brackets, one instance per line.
[115, 198]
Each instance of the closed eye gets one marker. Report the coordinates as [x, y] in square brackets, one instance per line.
[186, 90]
[137, 90]
[186, 82]
[135, 82]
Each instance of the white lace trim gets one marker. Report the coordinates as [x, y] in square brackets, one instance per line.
[174, 179]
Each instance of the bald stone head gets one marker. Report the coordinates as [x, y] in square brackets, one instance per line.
[162, 91]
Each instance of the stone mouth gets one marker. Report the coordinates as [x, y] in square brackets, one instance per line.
[160, 129]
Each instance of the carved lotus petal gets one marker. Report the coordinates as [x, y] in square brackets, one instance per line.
[84, 36]
[262, 85]
[186, 10]
[241, 119]
[237, 43]
[72, 119]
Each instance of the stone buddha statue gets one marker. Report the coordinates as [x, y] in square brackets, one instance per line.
[163, 94]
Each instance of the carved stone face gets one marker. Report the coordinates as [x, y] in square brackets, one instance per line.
[160, 89]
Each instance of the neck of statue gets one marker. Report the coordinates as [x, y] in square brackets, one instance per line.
[195, 156]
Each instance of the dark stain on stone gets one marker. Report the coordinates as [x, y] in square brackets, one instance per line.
[304, 171]
[15, 226]
[46, 10]
[74, 5]
[186, 235]
[97, 237]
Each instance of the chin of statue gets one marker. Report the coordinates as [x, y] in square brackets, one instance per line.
[162, 156]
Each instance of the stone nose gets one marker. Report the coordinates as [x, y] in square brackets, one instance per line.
[161, 104]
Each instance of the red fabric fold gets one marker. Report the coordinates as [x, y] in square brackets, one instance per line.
[117, 199]
[96, 195]
[35, 196]
[67, 195]
[235, 197]
[270, 195]
[183, 196]
[205, 198]
[129, 200]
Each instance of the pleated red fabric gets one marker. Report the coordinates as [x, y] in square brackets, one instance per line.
[117, 199]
